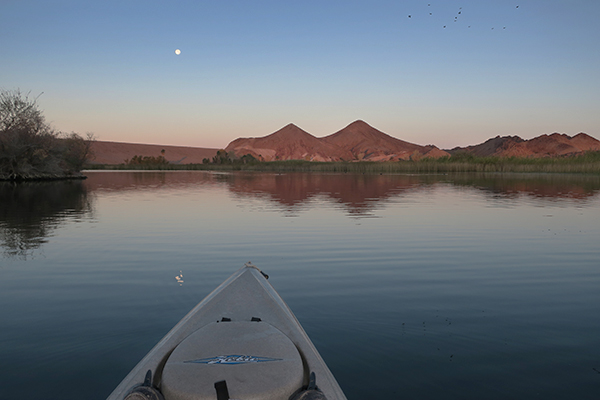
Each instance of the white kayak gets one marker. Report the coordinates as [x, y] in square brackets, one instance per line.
[241, 342]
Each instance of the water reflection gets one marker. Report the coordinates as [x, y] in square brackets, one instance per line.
[118, 181]
[31, 211]
[358, 195]
[538, 187]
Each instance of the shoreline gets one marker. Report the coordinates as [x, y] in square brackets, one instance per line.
[585, 164]
[42, 178]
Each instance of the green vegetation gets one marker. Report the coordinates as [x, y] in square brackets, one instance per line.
[588, 163]
[224, 158]
[30, 148]
[147, 161]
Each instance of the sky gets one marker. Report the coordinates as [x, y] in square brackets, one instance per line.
[449, 73]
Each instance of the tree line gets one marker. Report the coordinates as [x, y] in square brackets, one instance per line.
[223, 157]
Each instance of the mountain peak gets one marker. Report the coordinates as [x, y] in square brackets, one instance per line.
[289, 143]
[359, 122]
[291, 131]
[359, 126]
[368, 143]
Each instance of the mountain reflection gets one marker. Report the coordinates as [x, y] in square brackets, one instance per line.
[358, 194]
[30, 211]
[538, 187]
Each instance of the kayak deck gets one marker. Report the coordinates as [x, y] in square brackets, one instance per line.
[241, 341]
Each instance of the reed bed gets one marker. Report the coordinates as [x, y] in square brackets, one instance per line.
[588, 163]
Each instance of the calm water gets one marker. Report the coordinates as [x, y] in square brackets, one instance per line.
[411, 287]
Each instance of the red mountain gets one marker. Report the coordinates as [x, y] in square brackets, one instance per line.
[552, 145]
[357, 141]
[369, 144]
[288, 143]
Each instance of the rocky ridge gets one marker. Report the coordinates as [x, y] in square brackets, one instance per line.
[553, 145]
[356, 142]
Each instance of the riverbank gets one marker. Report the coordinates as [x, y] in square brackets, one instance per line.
[588, 163]
[41, 177]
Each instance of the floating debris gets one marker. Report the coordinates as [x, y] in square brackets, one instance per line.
[179, 278]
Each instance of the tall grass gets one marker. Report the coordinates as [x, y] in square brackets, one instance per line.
[588, 163]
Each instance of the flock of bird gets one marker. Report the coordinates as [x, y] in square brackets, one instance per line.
[458, 14]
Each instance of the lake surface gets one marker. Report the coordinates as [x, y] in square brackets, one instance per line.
[410, 286]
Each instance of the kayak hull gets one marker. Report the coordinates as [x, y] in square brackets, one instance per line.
[242, 334]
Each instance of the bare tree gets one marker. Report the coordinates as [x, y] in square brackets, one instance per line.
[31, 148]
[77, 151]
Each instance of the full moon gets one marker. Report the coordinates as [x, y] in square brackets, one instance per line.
[178, 52]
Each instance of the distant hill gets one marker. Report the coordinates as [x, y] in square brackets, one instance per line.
[554, 145]
[288, 143]
[116, 152]
[368, 143]
[357, 141]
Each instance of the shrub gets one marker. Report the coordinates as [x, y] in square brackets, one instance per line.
[30, 148]
[147, 160]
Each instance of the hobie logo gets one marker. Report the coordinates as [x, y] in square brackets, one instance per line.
[232, 359]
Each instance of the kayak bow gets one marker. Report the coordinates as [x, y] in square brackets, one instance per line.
[241, 342]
